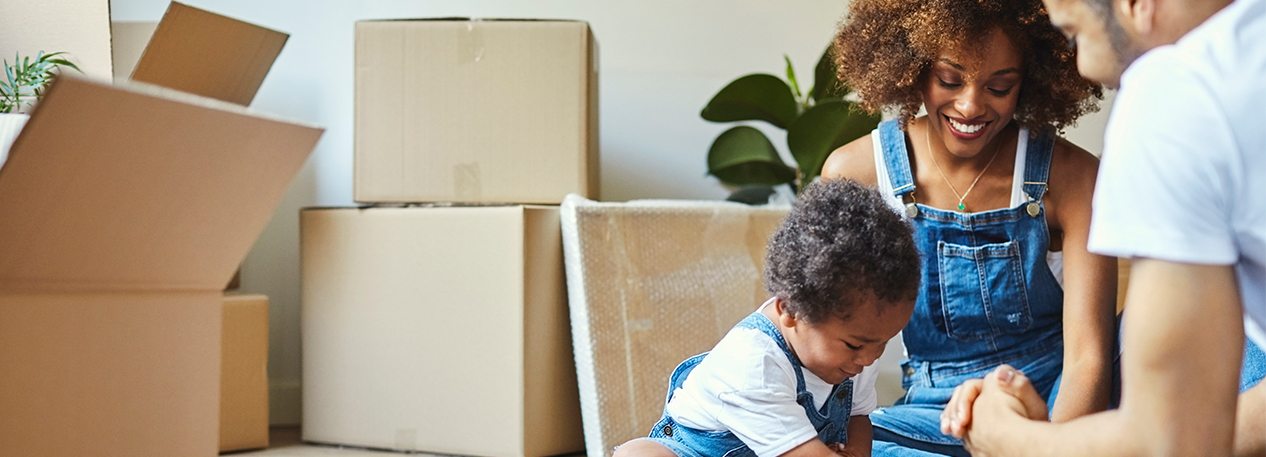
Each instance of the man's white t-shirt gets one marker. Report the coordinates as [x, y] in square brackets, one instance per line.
[746, 385]
[1183, 176]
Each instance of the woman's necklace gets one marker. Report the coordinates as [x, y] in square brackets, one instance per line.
[942, 172]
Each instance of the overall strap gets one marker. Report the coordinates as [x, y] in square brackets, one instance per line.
[896, 158]
[758, 321]
[1037, 165]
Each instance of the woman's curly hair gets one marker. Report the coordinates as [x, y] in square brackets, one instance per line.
[885, 48]
[840, 242]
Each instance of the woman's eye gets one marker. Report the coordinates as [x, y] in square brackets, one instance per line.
[948, 85]
[851, 346]
[1000, 93]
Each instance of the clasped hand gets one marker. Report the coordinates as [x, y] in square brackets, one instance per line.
[981, 409]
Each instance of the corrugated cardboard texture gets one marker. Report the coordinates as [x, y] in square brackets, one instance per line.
[207, 54]
[475, 111]
[437, 329]
[124, 189]
[125, 212]
[651, 284]
[244, 373]
[109, 374]
[128, 40]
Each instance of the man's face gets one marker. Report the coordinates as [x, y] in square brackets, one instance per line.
[1103, 49]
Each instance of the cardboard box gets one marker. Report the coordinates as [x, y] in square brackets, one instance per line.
[651, 284]
[127, 42]
[442, 330]
[453, 110]
[244, 373]
[126, 209]
[204, 53]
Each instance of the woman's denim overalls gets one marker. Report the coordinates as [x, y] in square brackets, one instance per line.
[831, 421]
[987, 297]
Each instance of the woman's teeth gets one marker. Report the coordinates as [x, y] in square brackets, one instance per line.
[965, 128]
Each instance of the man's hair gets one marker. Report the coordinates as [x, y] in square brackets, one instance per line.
[840, 242]
[885, 49]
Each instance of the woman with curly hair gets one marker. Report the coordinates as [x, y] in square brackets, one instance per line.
[1000, 205]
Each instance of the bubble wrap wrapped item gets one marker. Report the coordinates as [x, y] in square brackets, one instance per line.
[649, 284]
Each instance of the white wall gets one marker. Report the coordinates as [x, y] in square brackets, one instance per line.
[78, 27]
[661, 60]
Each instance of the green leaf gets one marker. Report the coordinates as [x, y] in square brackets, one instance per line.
[823, 129]
[752, 194]
[826, 82]
[757, 97]
[743, 155]
[791, 76]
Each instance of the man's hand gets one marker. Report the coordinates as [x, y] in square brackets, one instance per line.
[956, 418]
[1005, 395]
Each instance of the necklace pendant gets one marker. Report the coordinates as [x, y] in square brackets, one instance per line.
[960, 206]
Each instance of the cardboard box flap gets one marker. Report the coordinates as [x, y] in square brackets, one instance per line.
[470, 19]
[207, 54]
[138, 187]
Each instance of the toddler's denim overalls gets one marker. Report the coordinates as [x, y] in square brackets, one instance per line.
[831, 421]
[987, 297]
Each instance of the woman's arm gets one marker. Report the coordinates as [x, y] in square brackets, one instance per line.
[855, 160]
[1090, 287]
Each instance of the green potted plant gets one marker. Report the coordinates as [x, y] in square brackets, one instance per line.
[817, 122]
[23, 85]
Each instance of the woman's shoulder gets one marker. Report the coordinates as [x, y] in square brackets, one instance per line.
[1073, 164]
[855, 160]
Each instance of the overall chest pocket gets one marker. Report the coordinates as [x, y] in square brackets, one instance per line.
[983, 290]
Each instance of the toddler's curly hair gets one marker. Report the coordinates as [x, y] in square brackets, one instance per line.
[885, 48]
[840, 242]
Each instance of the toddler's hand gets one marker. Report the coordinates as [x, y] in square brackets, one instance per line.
[843, 450]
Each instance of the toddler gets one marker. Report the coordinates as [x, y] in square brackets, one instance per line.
[794, 378]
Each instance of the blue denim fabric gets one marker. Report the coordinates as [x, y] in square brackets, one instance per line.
[831, 421]
[987, 297]
[1254, 367]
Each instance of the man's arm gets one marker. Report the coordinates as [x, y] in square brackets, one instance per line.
[1183, 338]
[1250, 423]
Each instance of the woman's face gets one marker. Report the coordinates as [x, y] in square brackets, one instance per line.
[970, 93]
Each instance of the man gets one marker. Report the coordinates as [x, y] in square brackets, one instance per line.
[1182, 191]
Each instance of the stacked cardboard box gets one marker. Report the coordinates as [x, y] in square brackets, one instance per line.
[207, 54]
[444, 328]
[244, 373]
[127, 208]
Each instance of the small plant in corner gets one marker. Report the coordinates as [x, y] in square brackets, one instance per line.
[27, 79]
[817, 122]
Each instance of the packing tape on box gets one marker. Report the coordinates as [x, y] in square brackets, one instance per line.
[470, 43]
[467, 184]
[649, 284]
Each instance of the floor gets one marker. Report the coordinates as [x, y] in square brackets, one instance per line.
[286, 442]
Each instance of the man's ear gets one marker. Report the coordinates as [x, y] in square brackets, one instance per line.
[1137, 15]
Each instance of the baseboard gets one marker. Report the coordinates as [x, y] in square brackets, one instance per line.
[285, 402]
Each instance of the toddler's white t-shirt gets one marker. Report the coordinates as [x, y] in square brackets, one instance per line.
[746, 385]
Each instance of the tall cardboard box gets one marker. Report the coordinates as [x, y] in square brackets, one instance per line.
[442, 330]
[126, 209]
[455, 110]
[244, 373]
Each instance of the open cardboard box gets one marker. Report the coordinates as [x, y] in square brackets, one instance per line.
[126, 210]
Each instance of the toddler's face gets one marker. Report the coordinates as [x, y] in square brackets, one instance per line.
[838, 349]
